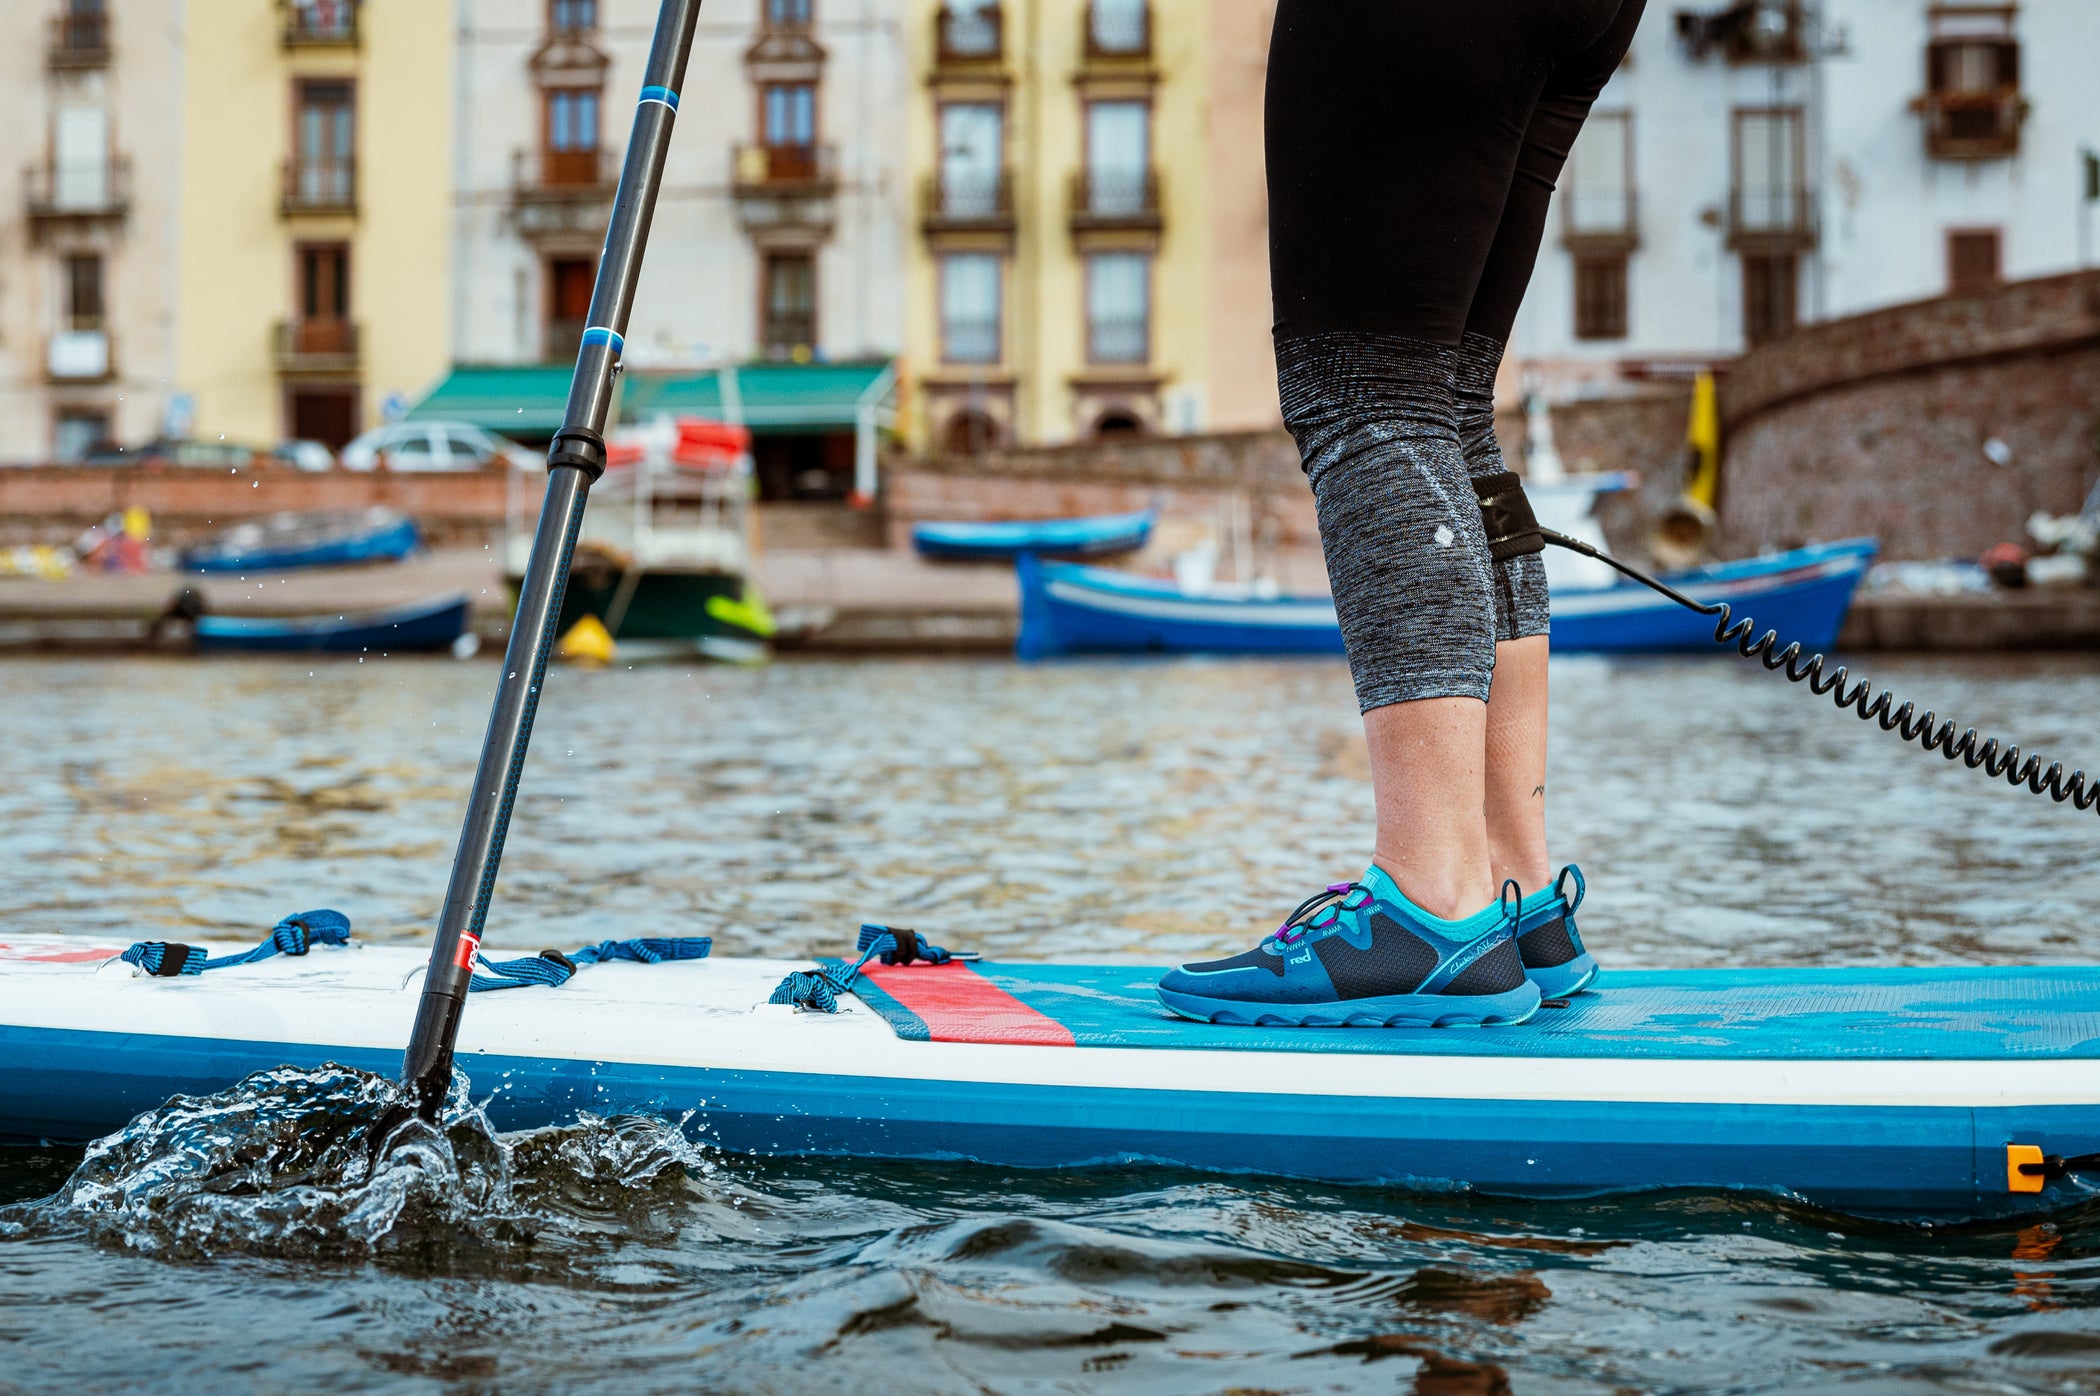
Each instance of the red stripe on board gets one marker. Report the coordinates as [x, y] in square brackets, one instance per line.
[960, 1005]
[50, 955]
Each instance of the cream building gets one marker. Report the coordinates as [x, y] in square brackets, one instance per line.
[1089, 251]
[87, 88]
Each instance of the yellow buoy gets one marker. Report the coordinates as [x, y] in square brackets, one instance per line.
[588, 642]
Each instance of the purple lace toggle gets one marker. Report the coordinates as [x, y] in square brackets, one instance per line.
[1339, 886]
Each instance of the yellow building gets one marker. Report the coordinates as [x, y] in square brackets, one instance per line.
[1090, 222]
[314, 262]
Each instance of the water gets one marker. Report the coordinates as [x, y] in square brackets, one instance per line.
[1085, 812]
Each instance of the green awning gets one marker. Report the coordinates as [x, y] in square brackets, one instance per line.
[510, 400]
[768, 397]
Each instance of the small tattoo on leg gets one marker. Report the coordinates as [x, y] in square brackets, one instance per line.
[1537, 790]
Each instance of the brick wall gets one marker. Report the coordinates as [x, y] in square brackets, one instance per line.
[1877, 424]
[53, 504]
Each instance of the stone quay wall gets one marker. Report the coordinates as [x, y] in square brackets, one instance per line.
[1882, 423]
[52, 504]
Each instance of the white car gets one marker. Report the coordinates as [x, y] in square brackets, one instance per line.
[427, 446]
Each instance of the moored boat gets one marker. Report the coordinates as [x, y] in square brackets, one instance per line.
[664, 560]
[321, 538]
[436, 623]
[1101, 535]
[1070, 608]
[1893, 1091]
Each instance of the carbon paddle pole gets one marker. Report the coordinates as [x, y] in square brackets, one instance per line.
[574, 462]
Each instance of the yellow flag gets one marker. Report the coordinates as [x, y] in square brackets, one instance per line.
[1703, 434]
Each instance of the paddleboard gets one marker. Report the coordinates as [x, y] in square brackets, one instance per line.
[1887, 1091]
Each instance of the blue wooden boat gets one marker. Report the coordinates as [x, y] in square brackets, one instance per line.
[323, 538]
[1885, 1090]
[1068, 608]
[434, 624]
[1098, 536]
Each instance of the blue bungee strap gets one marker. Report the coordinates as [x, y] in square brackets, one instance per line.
[294, 935]
[552, 969]
[818, 990]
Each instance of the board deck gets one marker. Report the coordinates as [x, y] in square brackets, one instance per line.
[1879, 1091]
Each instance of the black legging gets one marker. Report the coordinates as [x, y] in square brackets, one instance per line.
[1413, 147]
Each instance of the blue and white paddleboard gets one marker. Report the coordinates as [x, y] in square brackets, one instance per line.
[1881, 1091]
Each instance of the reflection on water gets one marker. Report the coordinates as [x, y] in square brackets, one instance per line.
[1085, 811]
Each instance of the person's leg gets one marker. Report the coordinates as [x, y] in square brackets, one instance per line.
[1393, 134]
[1516, 720]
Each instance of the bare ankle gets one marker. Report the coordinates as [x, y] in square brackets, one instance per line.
[1449, 894]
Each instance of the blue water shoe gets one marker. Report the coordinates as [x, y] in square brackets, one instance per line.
[1548, 942]
[1361, 954]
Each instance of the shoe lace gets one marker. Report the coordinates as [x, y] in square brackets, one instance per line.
[1322, 910]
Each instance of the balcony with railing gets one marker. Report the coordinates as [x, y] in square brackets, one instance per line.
[1765, 220]
[967, 201]
[783, 336]
[968, 35]
[320, 24]
[1972, 125]
[1600, 221]
[1118, 339]
[314, 187]
[56, 195]
[1115, 199]
[1117, 31]
[319, 345]
[79, 39]
[773, 169]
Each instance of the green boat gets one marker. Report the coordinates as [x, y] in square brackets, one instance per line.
[664, 559]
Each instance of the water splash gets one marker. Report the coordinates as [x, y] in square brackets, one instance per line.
[333, 1164]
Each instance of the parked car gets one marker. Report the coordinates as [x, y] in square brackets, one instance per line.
[226, 455]
[304, 455]
[425, 446]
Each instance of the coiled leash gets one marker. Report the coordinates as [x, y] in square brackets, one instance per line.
[1513, 531]
[295, 935]
[818, 990]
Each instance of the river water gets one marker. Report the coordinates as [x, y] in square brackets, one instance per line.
[1150, 811]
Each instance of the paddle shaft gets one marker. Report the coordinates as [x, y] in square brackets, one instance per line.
[574, 462]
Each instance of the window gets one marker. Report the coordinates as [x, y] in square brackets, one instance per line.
[1118, 27]
[83, 27]
[789, 312]
[83, 291]
[1118, 308]
[789, 117]
[573, 16]
[1118, 157]
[572, 136]
[1972, 260]
[570, 282]
[1769, 196]
[80, 157]
[1771, 295]
[326, 153]
[1600, 297]
[969, 29]
[1598, 198]
[972, 158]
[75, 433]
[787, 14]
[1972, 105]
[970, 308]
[324, 299]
